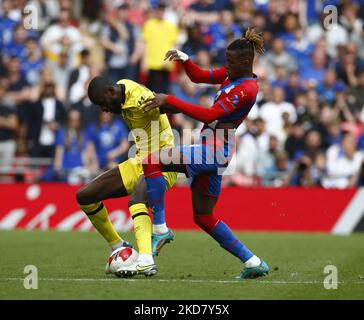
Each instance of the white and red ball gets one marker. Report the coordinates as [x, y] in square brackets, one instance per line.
[122, 257]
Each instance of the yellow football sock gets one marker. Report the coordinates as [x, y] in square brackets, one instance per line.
[99, 217]
[142, 227]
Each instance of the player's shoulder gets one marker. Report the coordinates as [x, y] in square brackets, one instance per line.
[249, 86]
[133, 88]
[129, 84]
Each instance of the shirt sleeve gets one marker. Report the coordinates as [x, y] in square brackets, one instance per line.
[60, 137]
[222, 107]
[198, 75]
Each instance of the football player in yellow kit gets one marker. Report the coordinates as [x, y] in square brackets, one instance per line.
[151, 131]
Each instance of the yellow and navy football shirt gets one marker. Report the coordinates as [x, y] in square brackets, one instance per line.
[151, 130]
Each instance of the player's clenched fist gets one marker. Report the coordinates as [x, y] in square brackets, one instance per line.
[157, 101]
[176, 55]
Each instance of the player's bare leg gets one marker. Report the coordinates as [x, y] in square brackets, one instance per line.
[107, 185]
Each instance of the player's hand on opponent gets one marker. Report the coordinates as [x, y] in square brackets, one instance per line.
[157, 101]
[176, 55]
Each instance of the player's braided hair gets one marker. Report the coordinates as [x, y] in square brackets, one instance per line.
[256, 39]
[251, 42]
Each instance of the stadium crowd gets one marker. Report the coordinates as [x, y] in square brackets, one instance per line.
[306, 129]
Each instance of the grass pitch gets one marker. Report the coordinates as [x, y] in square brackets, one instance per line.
[71, 266]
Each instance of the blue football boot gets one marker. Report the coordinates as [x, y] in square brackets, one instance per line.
[254, 272]
[159, 240]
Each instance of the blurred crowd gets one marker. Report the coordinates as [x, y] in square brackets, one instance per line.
[306, 129]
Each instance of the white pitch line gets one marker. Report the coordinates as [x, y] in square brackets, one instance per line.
[176, 280]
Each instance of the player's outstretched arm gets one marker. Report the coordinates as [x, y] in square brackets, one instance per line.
[206, 115]
[168, 109]
[194, 72]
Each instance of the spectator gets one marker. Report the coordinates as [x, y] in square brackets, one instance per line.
[348, 63]
[247, 153]
[89, 112]
[61, 36]
[78, 77]
[75, 160]
[343, 164]
[33, 61]
[186, 89]
[156, 47]
[301, 173]
[290, 23]
[8, 128]
[280, 77]
[334, 132]
[313, 74]
[110, 138]
[274, 21]
[344, 108]
[295, 140]
[121, 41]
[278, 56]
[50, 73]
[221, 34]
[254, 149]
[327, 116]
[16, 47]
[7, 23]
[18, 89]
[356, 93]
[293, 86]
[195, 41]
[310, 111]
[300, 48]
[272, 112]
[312, 146]
[45, 117]
[278, 174]
[350, 21]
[334, 35]
[61, 70]
[327, 89]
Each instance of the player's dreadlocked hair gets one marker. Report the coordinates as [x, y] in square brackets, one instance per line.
[250, 43]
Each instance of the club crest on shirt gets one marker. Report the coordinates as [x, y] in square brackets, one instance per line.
[227, 90]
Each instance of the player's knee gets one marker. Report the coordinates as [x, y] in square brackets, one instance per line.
[136, 198]
[197, 220]
[82, 196]
[206, 222]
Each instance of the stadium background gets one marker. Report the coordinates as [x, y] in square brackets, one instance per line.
[305, 131]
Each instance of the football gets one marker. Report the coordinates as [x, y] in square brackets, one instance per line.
[122, 257]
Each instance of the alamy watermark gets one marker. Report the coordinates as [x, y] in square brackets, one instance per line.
[330, 17]
[31, 278]
[331, 280]
[31, 17]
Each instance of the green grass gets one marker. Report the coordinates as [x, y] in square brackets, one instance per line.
[71, 266]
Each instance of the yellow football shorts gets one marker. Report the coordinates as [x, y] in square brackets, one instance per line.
[132, 169]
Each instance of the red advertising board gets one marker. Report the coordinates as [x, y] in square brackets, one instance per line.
[54, 206]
